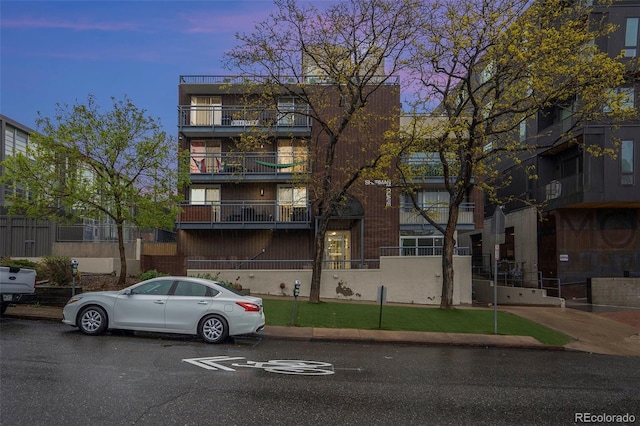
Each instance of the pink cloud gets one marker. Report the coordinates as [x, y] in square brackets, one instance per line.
[216, 23]
[75, 25]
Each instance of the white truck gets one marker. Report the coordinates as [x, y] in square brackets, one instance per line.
[17, 285]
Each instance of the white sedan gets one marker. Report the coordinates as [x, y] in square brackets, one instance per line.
[182, 305]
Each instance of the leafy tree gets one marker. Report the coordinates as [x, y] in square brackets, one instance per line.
[117, 165]
[331, 60]
[486, 68]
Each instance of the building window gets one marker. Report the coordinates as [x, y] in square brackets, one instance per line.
[292, 155]
[205, 156]
[206, 110]
[626, 163]
[626, 96]
[205, 195]
[631, 38]
[292, 204]
[423, 245]
[426, 200]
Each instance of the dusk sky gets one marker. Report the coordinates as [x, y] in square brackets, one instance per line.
[61, 51]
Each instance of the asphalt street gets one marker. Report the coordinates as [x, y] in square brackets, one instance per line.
[52, 374]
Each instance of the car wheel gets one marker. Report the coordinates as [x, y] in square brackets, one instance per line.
[3, 309]
[92, 320]
[213, 329]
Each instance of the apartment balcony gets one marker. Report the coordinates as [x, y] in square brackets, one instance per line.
[231, 167]
[562, 192]
[413, 221]
[222, 120]
[244, 215]
[427, 169]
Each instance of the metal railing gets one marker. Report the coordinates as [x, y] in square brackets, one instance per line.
[262, 79]
[225, 264]
[243, 212]
[439, 215]
[94, 233]
[422, 251]
[243, 118]
[248, 163]
[561, 188]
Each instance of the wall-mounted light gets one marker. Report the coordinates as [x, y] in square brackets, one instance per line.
[262, 192]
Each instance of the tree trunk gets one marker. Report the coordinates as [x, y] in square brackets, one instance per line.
[123, 256]
[446, 301]
[314, 294]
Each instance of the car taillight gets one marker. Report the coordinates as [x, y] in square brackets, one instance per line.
[249, 307]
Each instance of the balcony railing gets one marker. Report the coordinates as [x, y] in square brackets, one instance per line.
[562, 188]
[242, 118]
[261, 79]
[244, 212]
[280, 264]
[439, 214]
[264, 163]
[422, 251]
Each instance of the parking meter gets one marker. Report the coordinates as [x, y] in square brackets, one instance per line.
[74, 267]
[74, 274]
[296, 293]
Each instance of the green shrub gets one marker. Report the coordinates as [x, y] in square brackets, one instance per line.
[147, 275]
[57, 269]
[216, 278]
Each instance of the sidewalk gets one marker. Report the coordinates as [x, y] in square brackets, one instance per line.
[593, 333]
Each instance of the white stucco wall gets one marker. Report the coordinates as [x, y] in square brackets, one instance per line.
[408, 279]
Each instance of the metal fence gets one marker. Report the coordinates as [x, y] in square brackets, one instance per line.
[280, 264]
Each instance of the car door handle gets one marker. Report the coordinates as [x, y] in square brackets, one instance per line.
[203, 302]
[159, 302]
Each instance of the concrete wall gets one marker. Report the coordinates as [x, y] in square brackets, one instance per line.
[525, 226]
[616, 291]
[90, 249]
[101, 258]
[408, 279]
[514, 295]
[99, 265]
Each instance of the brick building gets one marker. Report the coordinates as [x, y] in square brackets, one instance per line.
[256, 208]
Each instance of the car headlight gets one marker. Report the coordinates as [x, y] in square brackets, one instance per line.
[74, 299]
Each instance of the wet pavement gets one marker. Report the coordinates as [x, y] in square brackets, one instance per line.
[600, 330]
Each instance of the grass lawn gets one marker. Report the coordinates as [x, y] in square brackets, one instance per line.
[367, 317]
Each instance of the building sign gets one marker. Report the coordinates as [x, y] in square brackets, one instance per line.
[380, 182]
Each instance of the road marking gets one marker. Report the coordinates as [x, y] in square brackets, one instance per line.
[280, 366]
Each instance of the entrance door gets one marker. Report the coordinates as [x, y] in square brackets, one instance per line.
[336, 249]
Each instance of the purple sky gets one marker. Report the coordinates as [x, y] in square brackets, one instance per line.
[61, 51]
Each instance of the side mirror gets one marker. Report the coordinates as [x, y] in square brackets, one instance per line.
[127, 292]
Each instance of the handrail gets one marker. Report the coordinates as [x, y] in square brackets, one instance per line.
[307, 79]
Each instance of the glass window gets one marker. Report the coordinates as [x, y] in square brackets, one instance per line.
[292, 153]
[206, 110]
[292, 204]
[187, 288]
[205, 156]
[631, 38]
[155, 288]
[205, 195]
[626, 96]
[8, 141]
[421, 245]
[626, 163]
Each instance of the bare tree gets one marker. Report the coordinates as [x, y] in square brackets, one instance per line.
[334, 61]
